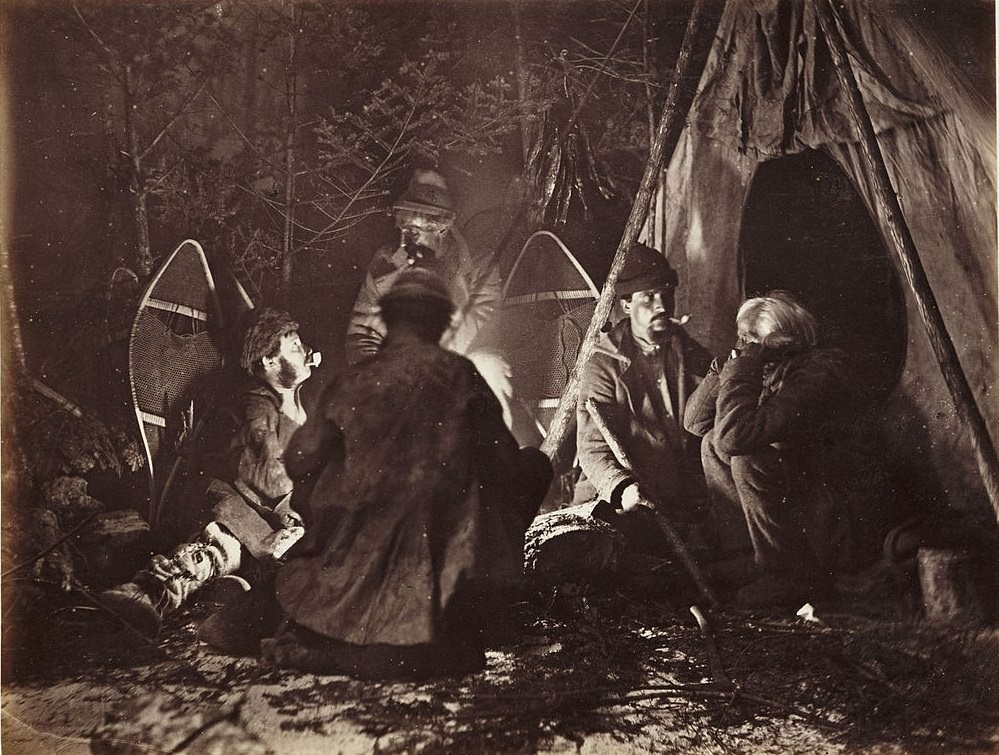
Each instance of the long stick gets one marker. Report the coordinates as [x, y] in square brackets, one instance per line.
[714, 657]
[675, 541]
[907, 258]
[697, 40]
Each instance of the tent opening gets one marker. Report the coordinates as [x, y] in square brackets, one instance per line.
[806, 230]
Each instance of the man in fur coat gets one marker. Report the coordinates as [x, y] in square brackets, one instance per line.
[787, 453]
[420, 500]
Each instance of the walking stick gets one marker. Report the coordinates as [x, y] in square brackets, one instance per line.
[675, 541]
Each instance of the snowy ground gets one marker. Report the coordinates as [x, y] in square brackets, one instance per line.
[608, 673]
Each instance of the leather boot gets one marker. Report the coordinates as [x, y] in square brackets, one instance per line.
[142, 608]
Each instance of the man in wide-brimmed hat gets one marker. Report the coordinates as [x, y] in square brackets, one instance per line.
[639, 377]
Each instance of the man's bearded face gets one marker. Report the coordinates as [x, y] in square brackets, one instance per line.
[293, 361]
[650, 312]
[423, 231]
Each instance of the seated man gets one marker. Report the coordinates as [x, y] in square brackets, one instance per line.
[639, 377]
[420, 503]
[252, 517]
[428, 238]
[783, 449]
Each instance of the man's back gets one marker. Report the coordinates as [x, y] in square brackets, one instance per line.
[406, 509]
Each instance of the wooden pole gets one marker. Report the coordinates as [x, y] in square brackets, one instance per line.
[675, 541]
[907, 258]
[697, 39]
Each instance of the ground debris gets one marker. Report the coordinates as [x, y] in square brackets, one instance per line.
[602, 670]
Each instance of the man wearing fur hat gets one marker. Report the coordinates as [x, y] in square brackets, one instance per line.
[420, 500]
[640, 375]
[425, 217]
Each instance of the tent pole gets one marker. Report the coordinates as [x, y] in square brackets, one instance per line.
[697, 40]
[908, 260]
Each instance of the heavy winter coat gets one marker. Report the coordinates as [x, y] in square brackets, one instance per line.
[413, 469]
[474, 286]
[254, 498]
[656, 449]
[806, 406]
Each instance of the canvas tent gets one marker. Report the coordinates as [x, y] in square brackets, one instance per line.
[768, 93]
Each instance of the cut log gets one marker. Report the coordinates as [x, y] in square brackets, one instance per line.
[574, 544]
[948, 582]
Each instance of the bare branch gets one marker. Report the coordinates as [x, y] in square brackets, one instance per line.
[103, 45]
[172, 120]
[253, 148]
[354, 198]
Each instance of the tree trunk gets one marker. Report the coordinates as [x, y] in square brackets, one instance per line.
[250, 98]
[651, 225]
[140, 214]
[291, 98]
[522, 82]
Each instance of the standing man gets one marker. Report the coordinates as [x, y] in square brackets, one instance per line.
[425, 218]
[252, 524]
[639, 377]
[420, 500]
[786, 453]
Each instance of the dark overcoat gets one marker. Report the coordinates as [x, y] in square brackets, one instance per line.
[412, 468]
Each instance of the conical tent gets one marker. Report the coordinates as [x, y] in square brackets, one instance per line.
[768, 92]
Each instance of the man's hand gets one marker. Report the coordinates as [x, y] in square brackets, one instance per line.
[633, 497]
[279, 541]
[754, 349]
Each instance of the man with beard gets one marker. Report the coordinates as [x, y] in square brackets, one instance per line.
[252, 524]
[420, 500]
[639, 377]
[428, 238]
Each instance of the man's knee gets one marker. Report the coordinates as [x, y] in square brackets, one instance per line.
[761, 471]
[717, 467]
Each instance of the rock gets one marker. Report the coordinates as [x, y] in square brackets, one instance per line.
[115, 545]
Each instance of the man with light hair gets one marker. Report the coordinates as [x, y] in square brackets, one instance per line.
[785, 453]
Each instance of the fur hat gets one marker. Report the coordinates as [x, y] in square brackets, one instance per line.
[644, 269]
[427, 194]
[421, 286]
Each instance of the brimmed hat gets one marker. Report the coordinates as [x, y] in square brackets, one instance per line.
[427, 194]
[644, 269]
[421, 286]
